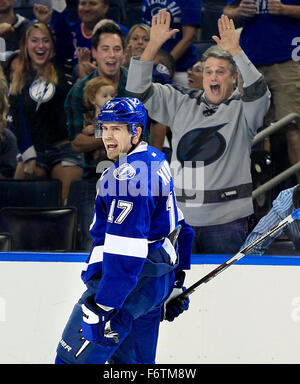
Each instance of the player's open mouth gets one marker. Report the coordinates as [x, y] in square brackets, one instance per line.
[111, 147]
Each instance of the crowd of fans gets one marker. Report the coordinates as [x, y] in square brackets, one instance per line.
[56, 74]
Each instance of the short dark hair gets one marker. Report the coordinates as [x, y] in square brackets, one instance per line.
[107, 28]
[219, 53]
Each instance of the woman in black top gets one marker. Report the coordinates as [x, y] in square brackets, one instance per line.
[37, 96]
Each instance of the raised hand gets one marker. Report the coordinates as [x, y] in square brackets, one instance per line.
[229, 37]
[42, 13]
[160, 29]
[160, 32]
[85, 66]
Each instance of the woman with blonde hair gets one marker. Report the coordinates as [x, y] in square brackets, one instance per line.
[38, 92]
[136, 41]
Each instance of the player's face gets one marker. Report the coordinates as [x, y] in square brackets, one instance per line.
[91, 11]
[109, 55]
[39, 48]
[116, 139]
[138, 41]
[218, 82]
[195, 76]
[104, 94]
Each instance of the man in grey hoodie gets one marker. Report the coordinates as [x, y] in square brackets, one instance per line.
[212, 132]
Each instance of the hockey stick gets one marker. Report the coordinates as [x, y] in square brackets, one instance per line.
[243, 252]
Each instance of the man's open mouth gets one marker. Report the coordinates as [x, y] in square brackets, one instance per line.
[215, 89]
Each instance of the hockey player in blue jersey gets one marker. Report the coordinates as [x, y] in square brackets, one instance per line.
[134, 265]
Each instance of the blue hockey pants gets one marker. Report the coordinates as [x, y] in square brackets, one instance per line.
[137, 324]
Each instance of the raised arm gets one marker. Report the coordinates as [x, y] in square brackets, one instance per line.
[229, 38]
[159, 34]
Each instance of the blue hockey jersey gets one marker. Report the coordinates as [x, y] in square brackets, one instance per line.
[135, 210]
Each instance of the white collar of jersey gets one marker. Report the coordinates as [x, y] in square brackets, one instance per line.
[141, 147]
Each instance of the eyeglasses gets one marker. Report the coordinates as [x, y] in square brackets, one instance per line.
[196, 69]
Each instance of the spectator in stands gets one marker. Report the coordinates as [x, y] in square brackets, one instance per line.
[12, 25]
[285, 203]
[136, 41]
[97, 92]
[211, 134]
[186, 17]
[38, 91]
[108, 51]
[268, 38]
[8, 142]
[135, 44]
[86, 64]
[71, 39]
[195, 76]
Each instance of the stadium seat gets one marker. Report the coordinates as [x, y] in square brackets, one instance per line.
[5, 242]
[82, 196]
[30, 193]
[40, 229]
[282, 247]
[261, 172]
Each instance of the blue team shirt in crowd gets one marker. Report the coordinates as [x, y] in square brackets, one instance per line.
[183, 12]
[269, 39]
[70, 38]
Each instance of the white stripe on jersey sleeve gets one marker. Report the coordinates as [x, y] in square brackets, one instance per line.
[126, 246]
[96, 256]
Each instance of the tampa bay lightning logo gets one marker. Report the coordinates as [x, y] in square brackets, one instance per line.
[41, 92]
[201, 144]
[124, 172]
